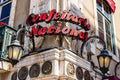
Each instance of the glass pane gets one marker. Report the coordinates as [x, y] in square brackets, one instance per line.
[20, 54]
[109, 46]
[107, 10]
[10, 52]
[15, 52]
[108, 35]
[1, 38]
[101, 60]
[107, 26]
[5, 0]
[99, 5]
[5, 11]
[1, 43]
[114, 48]
[107, 60]
[113, 39]
[101, 34]
[100, 21]
[100, 26]
[113, 42]
[7, 40]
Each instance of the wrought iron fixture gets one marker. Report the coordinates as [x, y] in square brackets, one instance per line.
[15, 50]
[104, 58]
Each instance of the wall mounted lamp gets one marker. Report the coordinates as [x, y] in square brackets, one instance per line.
[104, 58]
[15, 50]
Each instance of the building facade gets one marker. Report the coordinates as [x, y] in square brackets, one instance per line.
[64, 25]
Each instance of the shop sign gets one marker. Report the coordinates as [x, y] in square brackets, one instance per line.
[38, 30]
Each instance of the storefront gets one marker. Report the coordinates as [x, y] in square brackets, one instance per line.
[59, 40]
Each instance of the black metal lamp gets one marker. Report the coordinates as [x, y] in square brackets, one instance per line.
[104, 60]
[15, 51]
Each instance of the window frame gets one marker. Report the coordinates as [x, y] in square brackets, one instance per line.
[1, 6]
[108, 20]
[104, 29]
[2, 1]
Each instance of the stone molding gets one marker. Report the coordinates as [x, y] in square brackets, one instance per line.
[59, 59]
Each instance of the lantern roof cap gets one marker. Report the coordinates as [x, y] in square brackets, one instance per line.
[16, 43]
[104, 52]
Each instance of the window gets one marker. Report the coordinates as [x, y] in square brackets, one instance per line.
[2, 1]
[5, 12]
[105, 27]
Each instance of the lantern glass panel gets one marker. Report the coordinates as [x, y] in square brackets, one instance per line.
[20, 54]
[101, 60]
[10, 52]
[107, 60]
[15, 52]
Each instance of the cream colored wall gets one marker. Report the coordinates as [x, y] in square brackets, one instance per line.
[117, 23]
[12, 13]
[88, 11]
[21, 12]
